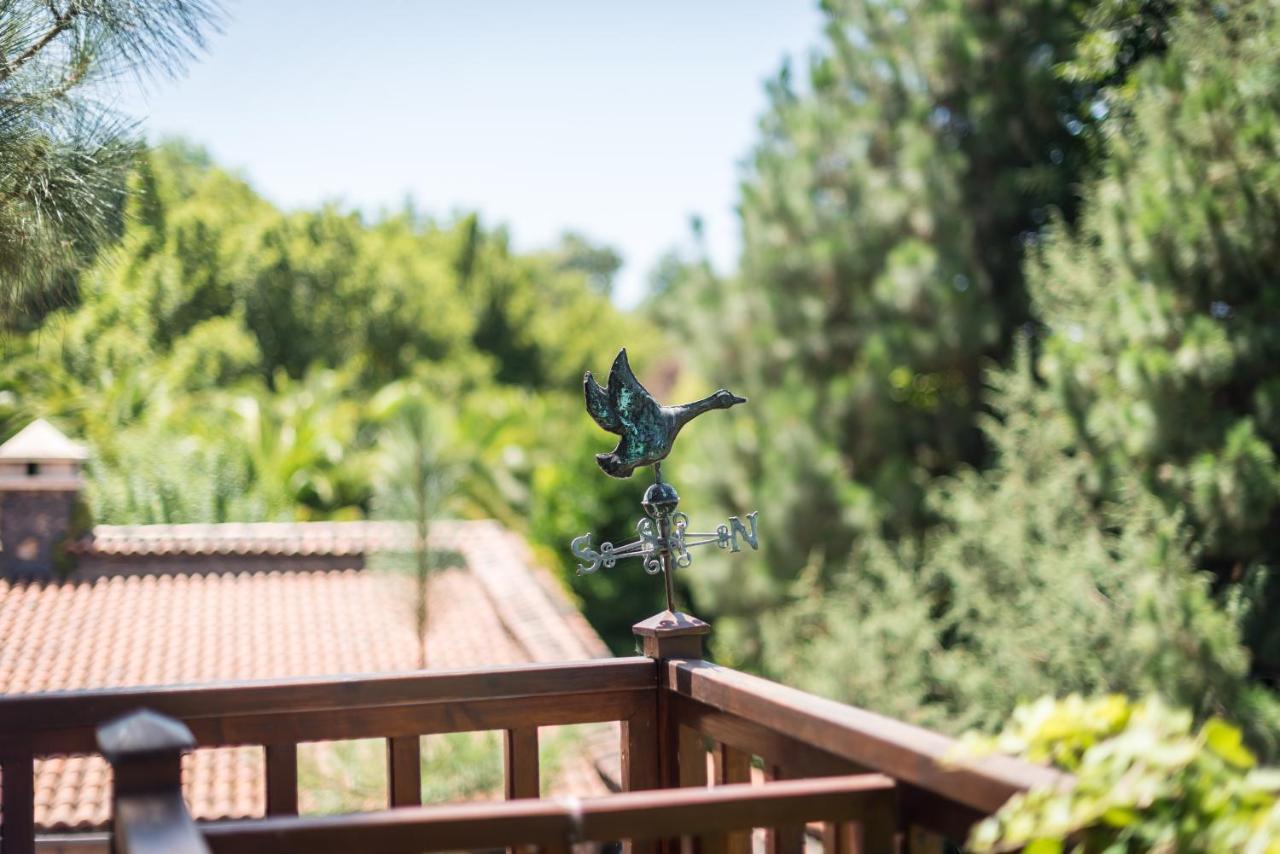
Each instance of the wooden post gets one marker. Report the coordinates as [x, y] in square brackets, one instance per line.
[148, 814]
[17, 824]
[666, 635]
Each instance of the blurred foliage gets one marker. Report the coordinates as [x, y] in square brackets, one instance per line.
[228, 361]
[887, 209]
[351, 776]
[1162, 307]
[1147, 779]
[1079, 203]
[1030, 587]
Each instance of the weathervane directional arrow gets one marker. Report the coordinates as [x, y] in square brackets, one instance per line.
[647, 432]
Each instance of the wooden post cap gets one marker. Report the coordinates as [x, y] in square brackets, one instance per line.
[672, 634]
[143, 734]
[145, 751]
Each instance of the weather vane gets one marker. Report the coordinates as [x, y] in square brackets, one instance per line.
[648, 430]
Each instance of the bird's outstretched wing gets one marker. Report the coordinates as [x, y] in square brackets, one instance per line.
[640, 414]
[599, 406]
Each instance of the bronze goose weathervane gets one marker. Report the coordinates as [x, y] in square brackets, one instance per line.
[647, 431]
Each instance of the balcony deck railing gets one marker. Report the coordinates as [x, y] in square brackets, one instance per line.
[871, 783]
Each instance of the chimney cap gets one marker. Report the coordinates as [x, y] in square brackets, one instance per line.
[40, 441]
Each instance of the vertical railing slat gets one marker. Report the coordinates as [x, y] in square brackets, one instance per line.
[640, 764]
[282, 778]
[17, 825]
[733, 766]
[520, 761]
[404, 771]
[787, 838]
[879, 826]
[692, 758]
[520, 768]
[838, 837]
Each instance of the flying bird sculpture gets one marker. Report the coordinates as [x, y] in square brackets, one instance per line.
[647, 428]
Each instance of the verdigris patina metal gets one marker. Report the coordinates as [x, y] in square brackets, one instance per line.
[648, 430]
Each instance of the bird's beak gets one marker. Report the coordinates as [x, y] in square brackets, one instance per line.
[736, 399]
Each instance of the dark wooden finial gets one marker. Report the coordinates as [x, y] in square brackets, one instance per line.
[145, 749]
[149, 816]
[672, 634]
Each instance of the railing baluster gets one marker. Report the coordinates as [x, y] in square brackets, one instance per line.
[17, 826]
[520, 758]
[879, 825]
[282, 778]
[838, 837]
[787, 838]
[520, 766]
[693, 758]
[733, 766]
[404, 771]
[640, 764]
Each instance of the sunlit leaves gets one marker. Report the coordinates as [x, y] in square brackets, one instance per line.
[1146, 779]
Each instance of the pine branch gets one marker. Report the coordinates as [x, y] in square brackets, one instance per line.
[61, 22]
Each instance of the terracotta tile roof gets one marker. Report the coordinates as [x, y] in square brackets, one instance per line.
[248, 538]
[118, 631]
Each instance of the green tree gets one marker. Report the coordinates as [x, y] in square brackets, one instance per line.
[414, 487]
[886, 211]
[1138, 455]
[1029, 587]
[64, 157]
[1162, 307]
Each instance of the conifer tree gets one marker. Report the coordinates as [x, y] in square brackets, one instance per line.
[1163, 307]
[886, 211]
[64, 157]
[1140, 453]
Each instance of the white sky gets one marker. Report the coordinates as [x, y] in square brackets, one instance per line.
[616, 119]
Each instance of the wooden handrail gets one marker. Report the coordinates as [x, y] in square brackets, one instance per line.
[339, 707]
[667, 709]
[557, 823]
[912, 755]
[279, 714]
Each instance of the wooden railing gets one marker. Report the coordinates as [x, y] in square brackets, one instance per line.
[691, 734]
[280, 714]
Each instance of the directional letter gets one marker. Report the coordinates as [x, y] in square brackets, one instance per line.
[582, 551]
[736, 527]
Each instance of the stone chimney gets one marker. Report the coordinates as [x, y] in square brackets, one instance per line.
[40, 482]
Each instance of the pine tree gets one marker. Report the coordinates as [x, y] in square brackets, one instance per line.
[1163, 309]
[64, 157]
[1030, 587]
[1140, 453]
[886, 211]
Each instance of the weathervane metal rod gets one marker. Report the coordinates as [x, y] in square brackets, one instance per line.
[668, 571]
